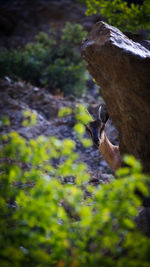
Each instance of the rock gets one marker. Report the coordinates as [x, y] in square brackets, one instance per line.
[122, 68]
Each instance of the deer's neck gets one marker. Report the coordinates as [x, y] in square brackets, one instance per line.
[110, 153]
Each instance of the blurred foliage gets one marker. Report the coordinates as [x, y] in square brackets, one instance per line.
[53, 61]
[123, 15]
[45, 221]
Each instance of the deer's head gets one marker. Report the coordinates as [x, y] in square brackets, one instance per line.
[96, 127]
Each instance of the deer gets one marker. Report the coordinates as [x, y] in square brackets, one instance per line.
[96, 128]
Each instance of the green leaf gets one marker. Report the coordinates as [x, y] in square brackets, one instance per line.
[64, 112]
[79, 128]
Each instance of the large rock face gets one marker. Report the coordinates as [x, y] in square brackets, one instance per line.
[122, 68]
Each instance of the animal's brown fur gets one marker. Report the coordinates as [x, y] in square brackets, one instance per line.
[110, 152]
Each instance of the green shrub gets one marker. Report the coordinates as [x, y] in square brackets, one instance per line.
[120, 14]
[47, 222]
[52, 61]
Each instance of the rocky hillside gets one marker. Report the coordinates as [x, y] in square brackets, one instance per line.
[17, 97]
[20, 21]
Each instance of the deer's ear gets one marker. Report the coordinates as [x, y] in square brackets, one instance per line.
[103, 114]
